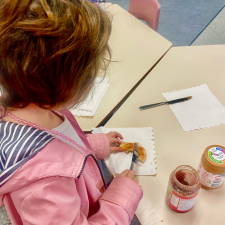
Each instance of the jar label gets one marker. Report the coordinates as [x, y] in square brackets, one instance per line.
[217, 155]
[179, 203]
[209, 179]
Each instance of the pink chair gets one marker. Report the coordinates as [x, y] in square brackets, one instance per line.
[147, 10]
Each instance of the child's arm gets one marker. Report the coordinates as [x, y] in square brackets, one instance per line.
[104, 144]
[99, 144]
[58, 202]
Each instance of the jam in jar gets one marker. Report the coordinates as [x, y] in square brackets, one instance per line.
[183, 188]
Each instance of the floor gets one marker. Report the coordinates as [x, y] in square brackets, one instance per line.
[213, 34]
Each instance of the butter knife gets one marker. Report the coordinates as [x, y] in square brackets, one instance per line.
[135, 156]
[164, 103]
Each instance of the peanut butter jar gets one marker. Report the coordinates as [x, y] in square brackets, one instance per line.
[212, 167]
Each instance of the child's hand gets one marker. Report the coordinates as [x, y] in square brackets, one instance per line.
[129, 174]
[114, 141]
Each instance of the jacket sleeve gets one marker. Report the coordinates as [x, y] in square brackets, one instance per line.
[99, 144]
[57, 203]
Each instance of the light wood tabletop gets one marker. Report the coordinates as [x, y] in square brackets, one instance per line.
[182, 67]
[136, 48]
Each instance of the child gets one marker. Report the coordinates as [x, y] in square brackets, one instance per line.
[50, 54]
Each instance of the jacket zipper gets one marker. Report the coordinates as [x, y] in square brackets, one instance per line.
[82, 168]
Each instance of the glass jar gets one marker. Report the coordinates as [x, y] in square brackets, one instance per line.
[212, 167]
[183, 188]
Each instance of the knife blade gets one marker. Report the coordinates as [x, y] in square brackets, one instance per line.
[164, 103]
[135, 156]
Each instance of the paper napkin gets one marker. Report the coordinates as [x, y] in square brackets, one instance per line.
[203, 110]
[147, 214]
[91, 103]
[118, 162]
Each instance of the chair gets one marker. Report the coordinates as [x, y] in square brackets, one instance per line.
[147, 10]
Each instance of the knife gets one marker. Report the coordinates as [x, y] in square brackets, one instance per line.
[163, 103]
[135, 156]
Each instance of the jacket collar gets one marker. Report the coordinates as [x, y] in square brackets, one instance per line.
[48, 163]
[18, 144]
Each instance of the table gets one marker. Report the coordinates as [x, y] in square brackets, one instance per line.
[182, 67]
[136, 48]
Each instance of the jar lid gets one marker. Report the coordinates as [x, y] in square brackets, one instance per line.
[214, 158]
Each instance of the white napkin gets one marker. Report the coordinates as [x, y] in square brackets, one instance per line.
[118, 162]
[90, 105]
[147, 214]
[203, 110]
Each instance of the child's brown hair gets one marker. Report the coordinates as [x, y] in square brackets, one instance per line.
[50, 51]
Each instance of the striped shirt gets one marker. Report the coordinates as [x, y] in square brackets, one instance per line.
[18, 144]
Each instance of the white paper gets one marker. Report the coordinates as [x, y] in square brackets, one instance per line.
[203, 110]
[90, 105]
[147, 214]
[118, 162]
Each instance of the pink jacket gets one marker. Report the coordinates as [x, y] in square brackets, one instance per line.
[61, 185]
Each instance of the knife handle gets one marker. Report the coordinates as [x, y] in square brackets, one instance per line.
[152, 105]
[131, 166]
